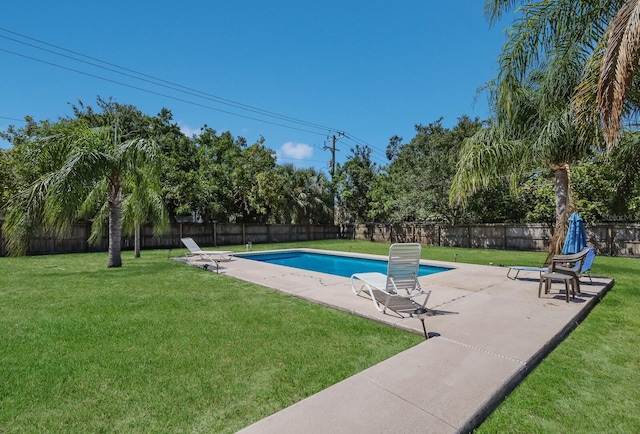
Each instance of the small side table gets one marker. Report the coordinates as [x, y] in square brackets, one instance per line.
[570, 283]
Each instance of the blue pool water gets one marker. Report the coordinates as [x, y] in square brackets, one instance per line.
[331, 264]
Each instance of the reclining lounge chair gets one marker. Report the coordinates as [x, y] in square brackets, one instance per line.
[519, 268]
[584, 271]
[215, 256]
[397, 289]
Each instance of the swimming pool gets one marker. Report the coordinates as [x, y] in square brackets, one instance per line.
[337, 265]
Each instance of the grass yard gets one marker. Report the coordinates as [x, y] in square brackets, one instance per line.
[160, 347]
[157, 346]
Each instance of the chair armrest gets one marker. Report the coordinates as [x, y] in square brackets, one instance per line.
[559, 268]
[571, 258]
[568, 263]
[571, 267]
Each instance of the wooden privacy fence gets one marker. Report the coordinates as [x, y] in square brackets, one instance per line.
[205, 234]
[607, 238]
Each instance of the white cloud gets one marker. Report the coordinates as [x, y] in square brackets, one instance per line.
[297, 151]
[188, 131]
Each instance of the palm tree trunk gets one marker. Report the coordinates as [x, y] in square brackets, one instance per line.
[137, 240]
[115, 230]
[561, 188]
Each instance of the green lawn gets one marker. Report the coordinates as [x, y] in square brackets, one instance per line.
[160, 347]
[157, 346]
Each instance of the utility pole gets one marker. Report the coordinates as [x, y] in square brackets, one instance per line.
[334, 139]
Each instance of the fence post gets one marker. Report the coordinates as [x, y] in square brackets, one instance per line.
[244, 235]
[610, 240]
[504, 235]
[87, 234]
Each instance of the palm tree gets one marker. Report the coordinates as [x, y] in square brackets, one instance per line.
[144, 201]
[608, 32]
[91, 177]
[549, 47]
[292, 195]
[535, 131]
[309, 196]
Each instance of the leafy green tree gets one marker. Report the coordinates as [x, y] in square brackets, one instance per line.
[382, 197]
[593, 188]
[354, 183]
[273, 204]
[537, 191]
[81, 170]
[8, 177]
[626, 171]
[414, 186]
[496, 205]
[29, 158]
[251, 162]
[180, 181]
[422, 170]
[606, 185]
[226, 176]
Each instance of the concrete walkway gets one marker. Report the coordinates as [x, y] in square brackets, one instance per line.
[492, 332]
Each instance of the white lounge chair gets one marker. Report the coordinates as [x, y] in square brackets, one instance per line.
[216, 256]
[397, 289]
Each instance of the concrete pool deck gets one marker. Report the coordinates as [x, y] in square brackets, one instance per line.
[492, 332]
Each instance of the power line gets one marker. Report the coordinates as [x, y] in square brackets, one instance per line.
[158, 81]
[12, 119]
[376, 155]
[156, 93]
[178, 88]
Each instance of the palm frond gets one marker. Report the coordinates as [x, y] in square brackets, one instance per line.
[94, 200]
[99, 223]
[618, 67]
[548, 30]
[495, 9]
[25, 215]
[584, 101]
[485, 160]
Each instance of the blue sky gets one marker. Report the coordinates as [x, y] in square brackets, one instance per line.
[372, 69]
